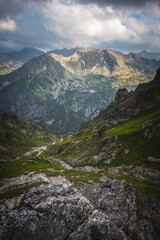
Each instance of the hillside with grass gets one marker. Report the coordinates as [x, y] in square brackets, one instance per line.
[62, 92]
[102, 181]
[123, 139]
[18, 137]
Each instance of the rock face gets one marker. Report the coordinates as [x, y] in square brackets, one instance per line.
[138, 172]
[116, 199]
[128, 104]
[50, 212]
[91, 211]
[98, 227]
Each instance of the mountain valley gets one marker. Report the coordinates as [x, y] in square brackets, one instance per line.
[100, 182]
[62, 92]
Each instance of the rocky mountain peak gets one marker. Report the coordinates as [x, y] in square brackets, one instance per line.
[121, 95]
[128, 104]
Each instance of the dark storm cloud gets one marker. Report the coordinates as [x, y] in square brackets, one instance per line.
[118, 3]
[10, 8]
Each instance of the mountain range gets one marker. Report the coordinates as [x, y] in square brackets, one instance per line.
[10, 61]
[13, 60]
[65, 52]
[63, 91]
[150, 55]
[16, 59]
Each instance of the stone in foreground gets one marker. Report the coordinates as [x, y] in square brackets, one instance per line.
[95, 211]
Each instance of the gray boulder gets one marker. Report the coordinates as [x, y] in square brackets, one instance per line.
[48, 212]
[98, 227]
[97, 211]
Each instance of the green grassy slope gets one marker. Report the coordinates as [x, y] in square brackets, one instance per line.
[126, 134]
[125, 149]
[18, 137]
[128, 144]
[83, 148]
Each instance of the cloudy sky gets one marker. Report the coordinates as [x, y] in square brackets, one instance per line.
[124, 25]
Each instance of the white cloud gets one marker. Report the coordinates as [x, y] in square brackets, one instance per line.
[137, 26]
[7, 25]
[53, 24]
[85, 25]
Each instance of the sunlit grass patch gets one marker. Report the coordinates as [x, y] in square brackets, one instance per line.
[134, 124]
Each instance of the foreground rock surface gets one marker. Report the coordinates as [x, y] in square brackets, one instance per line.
[97, 211]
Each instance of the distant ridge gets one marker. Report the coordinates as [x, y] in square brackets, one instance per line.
[150, 55]
[64, 52]
[16, 59]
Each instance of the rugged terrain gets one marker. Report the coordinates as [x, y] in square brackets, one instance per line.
[132, 117]
[14, 60]
[96, 211]
[123, 139]
[150, 55]
[65, 52]
[99, 183]
[18, 137]
[62, 91]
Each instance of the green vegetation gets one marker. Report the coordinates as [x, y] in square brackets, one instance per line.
[132, 79]
[127, 138]
[18, 137]
[138, 152]
[71, 138]
[81, 176]
[27, 164]
[85, 144]
[99, 145]
[134, 124]
[17, 168]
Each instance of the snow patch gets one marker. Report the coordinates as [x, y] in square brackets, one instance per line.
[50, 121]
[36, 149]
[42, 69]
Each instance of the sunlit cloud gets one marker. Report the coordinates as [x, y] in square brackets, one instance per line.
[85, 25]
[7, 25]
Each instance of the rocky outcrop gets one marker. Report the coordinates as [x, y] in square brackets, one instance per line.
[116, 199]
[128, 104]
[138, 172]
[91, 211]
[98, 227]
[48, 212]
[152, 131]
[150, 209]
